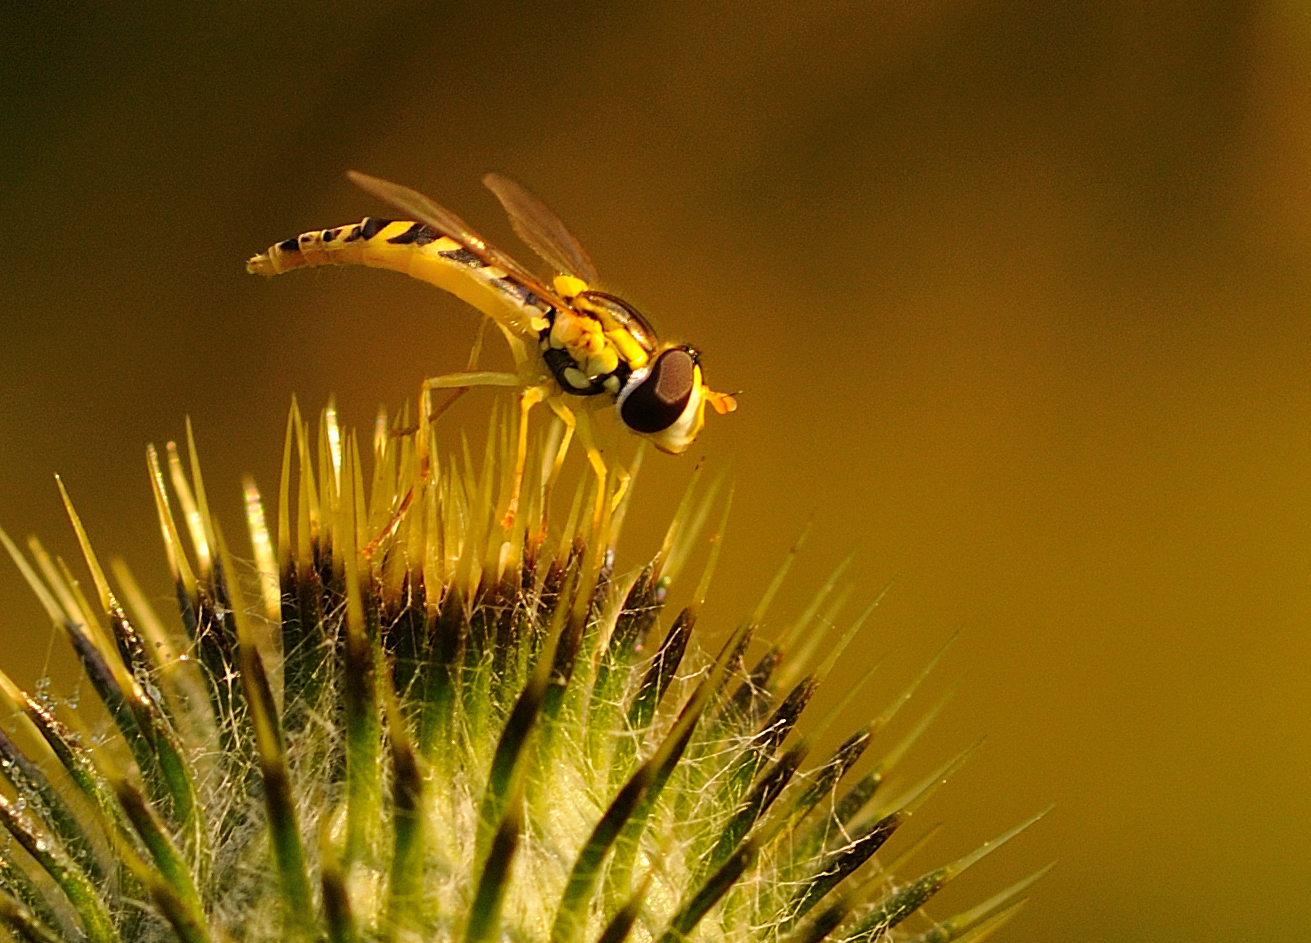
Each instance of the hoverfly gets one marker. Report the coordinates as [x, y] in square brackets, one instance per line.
[573, 345]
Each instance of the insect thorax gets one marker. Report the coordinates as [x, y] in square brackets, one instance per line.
[579, 355]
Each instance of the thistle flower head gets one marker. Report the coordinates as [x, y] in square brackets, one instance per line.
[416, 717]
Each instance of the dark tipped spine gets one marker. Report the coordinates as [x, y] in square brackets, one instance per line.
[337, 906]
[834, 868]
[32, 786]
[81, 893]
[652, 690]
[690, 914]
[24, 923]
[284, 827]
[485, 912]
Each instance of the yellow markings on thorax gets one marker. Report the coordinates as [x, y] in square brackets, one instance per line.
[632, 352]
[568, 286]
[598, 343]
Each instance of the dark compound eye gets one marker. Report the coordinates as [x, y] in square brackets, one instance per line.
[659, 399]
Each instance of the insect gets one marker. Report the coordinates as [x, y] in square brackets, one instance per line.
[573, 345]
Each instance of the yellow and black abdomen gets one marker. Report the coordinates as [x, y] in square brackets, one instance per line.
[417, 250]
[381, 243]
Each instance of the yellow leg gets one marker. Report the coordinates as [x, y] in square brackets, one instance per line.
[472, 366]
[530, 398]
[478, 344]
[598, 467]
[621, 489]
[570, 423]
[460, 382]
[434, 414]
[476, 378]
[425, 408]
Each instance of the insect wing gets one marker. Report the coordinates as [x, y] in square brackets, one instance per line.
[430, 212]
[541, 230]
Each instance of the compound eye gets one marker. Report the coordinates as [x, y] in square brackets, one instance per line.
[657, 402]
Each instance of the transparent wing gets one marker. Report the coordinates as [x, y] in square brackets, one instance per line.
[541, 230]
[421, 208]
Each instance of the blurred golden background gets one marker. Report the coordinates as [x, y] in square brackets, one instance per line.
[1017, 295]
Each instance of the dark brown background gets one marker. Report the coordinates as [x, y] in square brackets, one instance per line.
[1017, 294]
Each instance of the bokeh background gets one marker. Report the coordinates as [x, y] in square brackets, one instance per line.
[1017, 295]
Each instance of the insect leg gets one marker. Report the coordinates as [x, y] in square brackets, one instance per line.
[458, 381]
[530, 398]
[461, 384]
[621, 489]
[570, 423]
[432, 414]
[476, 378]
[478, 343]
[471, 367]
[598, 467]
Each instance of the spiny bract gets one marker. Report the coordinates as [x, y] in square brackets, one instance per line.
[424, 726]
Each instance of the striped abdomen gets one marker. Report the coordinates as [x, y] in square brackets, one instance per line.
[417, 250]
